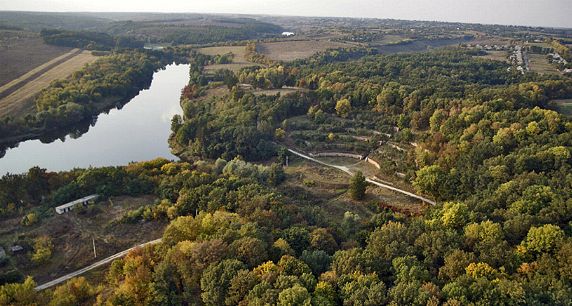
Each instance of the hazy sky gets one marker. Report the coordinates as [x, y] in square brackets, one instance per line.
[556, 13]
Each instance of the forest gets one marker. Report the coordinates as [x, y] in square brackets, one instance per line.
[489, 151]
[89, 40]
[245, 221]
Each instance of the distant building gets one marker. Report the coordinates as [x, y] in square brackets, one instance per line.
[16, 248]
[71, 205]
[288, 34]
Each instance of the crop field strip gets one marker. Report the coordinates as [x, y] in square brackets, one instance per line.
[14, 85]
[17, 100]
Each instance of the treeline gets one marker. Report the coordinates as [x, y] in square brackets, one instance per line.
[223, 30]
[251, 244]
[244, 126]
[89, 40]
[497, 162]
[563, 50]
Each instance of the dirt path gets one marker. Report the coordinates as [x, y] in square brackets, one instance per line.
[346, 170]
[100, 263]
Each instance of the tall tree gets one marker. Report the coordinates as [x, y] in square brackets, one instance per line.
[358, 186]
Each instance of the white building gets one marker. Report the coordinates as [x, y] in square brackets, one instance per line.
[288, 34]
[83, 201]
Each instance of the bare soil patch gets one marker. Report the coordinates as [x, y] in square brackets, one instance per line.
[297, 49]
[20, 102]
[22, 51]
[238, 62]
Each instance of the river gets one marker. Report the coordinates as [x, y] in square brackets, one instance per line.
[136, 132]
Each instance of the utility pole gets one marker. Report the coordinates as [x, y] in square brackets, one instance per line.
[94, 252]
[286, 160]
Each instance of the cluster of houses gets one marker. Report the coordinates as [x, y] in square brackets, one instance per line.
[519, 59]
[556, 58]
[490, 47]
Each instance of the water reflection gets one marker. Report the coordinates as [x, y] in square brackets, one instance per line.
[135, 131]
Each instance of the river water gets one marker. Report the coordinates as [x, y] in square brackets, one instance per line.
[138, 131]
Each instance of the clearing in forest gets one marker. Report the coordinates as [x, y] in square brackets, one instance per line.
[501, 56]
[238, 62]
[288, 51]
[563, 106]
[539, 63]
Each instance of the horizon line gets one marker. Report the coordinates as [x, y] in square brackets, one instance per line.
[287, 15]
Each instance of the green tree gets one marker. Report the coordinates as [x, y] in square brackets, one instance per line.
[343, 108]
[42, 249]
[542, 239]
[295, 296]
[322, 239]
[358, 186]
[76, 291]
[324, 295]
[22, 294]
[364, 290]
[216, 279]
[432, 180]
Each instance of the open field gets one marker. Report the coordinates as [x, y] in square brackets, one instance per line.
[281, 91]
[390, 39]
[238, 62]
[22, 51]
[20, 101]
[501, 56]
[563, 106]
[72, 235]
[15, 84]
[238, 51]
[292, 50]
[418, 45]
[331, 184]
[539, 63]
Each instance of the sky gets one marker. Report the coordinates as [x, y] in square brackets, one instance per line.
[551, 13]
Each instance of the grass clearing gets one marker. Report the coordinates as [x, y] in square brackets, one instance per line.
[238, 51]
[238, 62]
[501, 56]
[563, 106]
[390, 39]
[281, 91]
[539, 63]
[20, 102]
[288, 51]
[331, 184]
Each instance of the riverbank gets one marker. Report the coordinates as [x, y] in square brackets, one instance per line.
[109, 82]
[134, 130]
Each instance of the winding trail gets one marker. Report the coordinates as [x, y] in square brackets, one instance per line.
[346, 170]
[92, 266]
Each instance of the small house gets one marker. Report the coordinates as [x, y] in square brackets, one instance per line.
[16, 248]
[71, 205]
